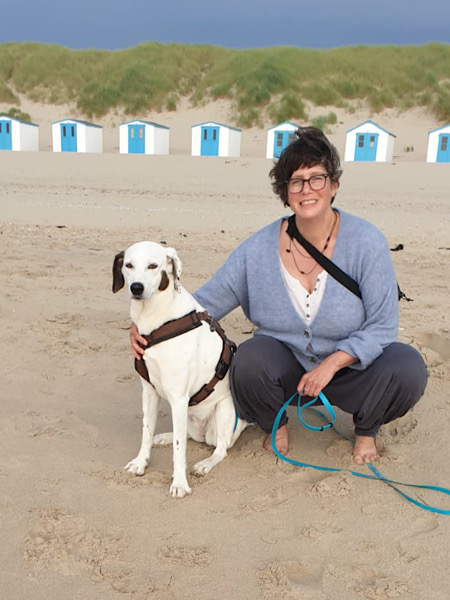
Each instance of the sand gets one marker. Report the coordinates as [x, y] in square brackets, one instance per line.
[74, 524]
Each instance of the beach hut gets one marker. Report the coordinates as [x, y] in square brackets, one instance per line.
[143, 137]
[18, 135]
[368, 142]
[278, 137]
[439, 145]
[72, 135]
[215, 139]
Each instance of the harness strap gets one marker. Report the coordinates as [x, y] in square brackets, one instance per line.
[176, 327]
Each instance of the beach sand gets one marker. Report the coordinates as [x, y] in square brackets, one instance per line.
[74, 524]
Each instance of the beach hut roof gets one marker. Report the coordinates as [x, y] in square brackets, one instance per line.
[145, 123]
[215, 123]
[439, 128]
[78, 121]
[284, 123]
[372, 123]
[5, 116]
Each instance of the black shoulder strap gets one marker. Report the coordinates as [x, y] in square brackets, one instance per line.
[325, 262]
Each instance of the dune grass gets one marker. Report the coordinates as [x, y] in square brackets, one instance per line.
[264, 84]
[16, 113]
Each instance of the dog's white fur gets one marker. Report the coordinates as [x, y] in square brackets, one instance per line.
[178, 367]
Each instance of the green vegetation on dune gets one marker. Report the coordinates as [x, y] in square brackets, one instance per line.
[16, 113]
[264, 83]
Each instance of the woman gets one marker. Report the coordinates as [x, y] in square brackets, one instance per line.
[312, 333]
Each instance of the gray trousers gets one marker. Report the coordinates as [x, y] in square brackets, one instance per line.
[264, 374]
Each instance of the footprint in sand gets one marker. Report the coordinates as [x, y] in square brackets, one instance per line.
[314, 532]
[119, 479]
[420, 526]
[291, 580]
[274, 497]
[299, 480]
[399, 430]
[367, 582]
[303, 576]
[335, 485]
[435, 348]
[438, 342]
[63, 542]
[66, 425]
[410, 542]
[198, 556]
[341, 452]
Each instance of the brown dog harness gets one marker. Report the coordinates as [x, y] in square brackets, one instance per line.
[184, 324]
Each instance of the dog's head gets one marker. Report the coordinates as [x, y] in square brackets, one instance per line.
[145, 268]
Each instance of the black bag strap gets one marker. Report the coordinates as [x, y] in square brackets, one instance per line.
[325, 262]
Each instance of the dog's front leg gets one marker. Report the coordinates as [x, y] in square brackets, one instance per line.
[180, 486]
[150, 402]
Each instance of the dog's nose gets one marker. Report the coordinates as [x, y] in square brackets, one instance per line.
[137, 288]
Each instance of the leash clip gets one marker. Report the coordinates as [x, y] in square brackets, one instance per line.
[324, 427]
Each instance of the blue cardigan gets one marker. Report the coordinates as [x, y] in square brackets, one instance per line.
[252, 278]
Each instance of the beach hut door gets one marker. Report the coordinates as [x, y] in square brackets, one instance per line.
[136, 139]
[366, 146]
[68, 137]
[444, 148]
[5, 135]
[281, 140]
[210, 141]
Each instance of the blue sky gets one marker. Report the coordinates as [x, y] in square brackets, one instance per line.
[114, 24]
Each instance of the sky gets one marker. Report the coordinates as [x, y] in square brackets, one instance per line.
[117, 24]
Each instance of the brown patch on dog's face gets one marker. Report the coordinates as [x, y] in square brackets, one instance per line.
[118, 279]
[164, 281]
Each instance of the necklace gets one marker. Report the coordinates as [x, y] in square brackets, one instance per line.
[310, 257]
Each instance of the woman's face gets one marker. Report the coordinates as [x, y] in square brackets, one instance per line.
[310, 198]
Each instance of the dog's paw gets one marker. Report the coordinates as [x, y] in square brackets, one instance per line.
[179, 490]
[136, 466]
[202, 468]
[163, 439]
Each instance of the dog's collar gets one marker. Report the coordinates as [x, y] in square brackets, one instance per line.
[176, 327]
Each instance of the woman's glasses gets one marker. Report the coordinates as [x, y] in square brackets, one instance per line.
[316, 183]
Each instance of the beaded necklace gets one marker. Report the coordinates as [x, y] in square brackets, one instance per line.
[310, 257]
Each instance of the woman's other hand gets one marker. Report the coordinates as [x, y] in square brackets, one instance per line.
[314, 381]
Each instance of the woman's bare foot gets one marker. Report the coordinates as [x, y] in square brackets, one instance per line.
[281, 441]
[364, 450]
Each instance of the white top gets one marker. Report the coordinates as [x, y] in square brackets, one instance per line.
[305, 303]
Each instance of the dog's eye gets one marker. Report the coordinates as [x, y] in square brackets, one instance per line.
[128, 265]
[153, 266]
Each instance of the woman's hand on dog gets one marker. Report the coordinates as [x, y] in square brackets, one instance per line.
[136, 340]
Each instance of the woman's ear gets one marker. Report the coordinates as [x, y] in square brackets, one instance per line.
[334, 190]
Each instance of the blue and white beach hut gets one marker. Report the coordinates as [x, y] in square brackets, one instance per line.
[72, 135]
[439, 144]
[143, 137]
[278, 137]
[215, 139]
[18, 135]
[368, 142]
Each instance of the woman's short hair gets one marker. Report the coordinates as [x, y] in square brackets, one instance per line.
[311, 148]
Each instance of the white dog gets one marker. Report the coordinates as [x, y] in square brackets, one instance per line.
[177, 367]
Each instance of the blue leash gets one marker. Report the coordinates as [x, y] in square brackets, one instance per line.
[378, 476]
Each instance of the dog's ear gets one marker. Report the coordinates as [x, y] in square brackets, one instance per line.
[164, 281]
[118, 280]
[177, 267]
